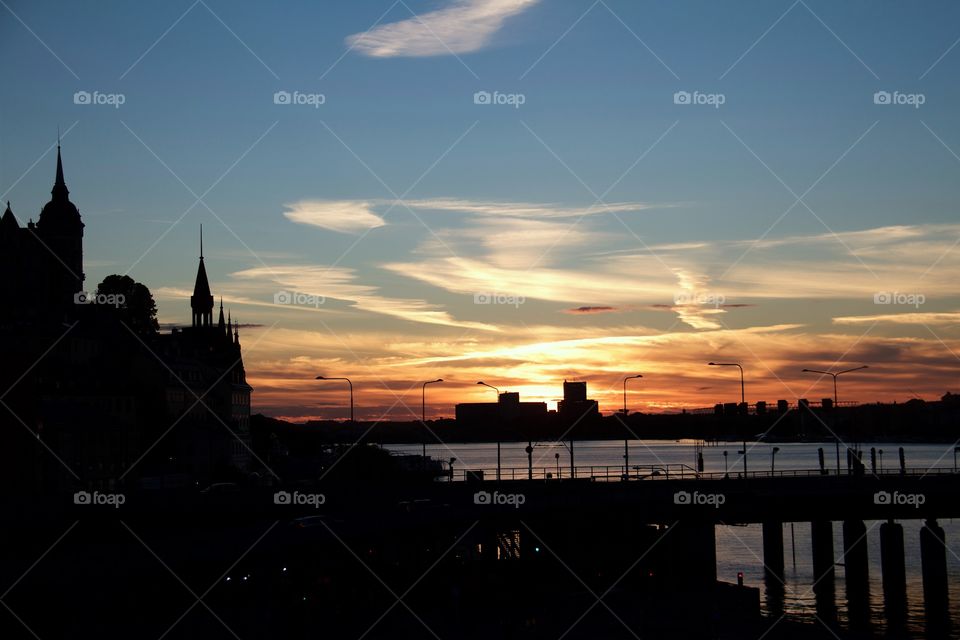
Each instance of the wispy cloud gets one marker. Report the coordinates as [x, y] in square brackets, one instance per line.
[919, 318]
[344, 216]
[588, 310]
[526, 209]
[463, 27]
[349, 216]
[339, 283]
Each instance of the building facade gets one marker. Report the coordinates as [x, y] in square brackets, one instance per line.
[91, 401]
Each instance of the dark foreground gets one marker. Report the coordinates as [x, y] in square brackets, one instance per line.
[571, 559]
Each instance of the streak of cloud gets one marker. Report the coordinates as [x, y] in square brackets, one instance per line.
[465, 26]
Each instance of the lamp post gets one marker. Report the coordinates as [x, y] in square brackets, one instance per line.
[773, 457]
[492, 387]
[423, 399]
[351, 391]
[732, 364]
[835, 375]
[743, 401]
[726, 469]
[481, 382]
[626, 459]
[625, 392]
[880, 453]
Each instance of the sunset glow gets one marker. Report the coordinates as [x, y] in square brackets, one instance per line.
[479, 191]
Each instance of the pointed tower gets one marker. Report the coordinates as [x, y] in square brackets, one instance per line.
[60, 231]
[59, 190]
[201, 302]
[236, 333]
[8, 223]
[220, 323]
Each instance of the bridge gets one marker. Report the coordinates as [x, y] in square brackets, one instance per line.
[680, 496]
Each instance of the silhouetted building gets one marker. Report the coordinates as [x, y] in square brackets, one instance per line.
[42, 262]
[575, 404]
[508, 408]
[204, 361]
[90, 401]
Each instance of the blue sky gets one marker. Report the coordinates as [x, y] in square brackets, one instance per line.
[693, 187]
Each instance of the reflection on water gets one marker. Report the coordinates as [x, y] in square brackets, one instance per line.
[740, 548]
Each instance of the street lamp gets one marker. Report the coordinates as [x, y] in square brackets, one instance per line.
[492, 387]
[423, 399]
[834, 375]
[773, 457]
[743, 401]
[726, 469]
[732, 364]
[625, 391]
[351, 391]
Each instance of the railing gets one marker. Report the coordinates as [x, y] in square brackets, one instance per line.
[592, 472]
[661, 472]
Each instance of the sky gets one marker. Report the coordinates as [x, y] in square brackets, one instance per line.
[514, 191]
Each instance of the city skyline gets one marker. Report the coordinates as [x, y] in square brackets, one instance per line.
[779, 195]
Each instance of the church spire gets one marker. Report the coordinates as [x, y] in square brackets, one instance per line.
[220, 324]
[201, 302]
[236, 333]
[8, 221]
[59, 186]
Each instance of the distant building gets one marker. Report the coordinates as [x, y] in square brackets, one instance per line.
[574, 408]
[575, 405]
[508, 408]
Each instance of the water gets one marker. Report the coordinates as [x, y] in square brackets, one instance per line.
[740, 548]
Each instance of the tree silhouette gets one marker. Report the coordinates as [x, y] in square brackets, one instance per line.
[137, 308]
